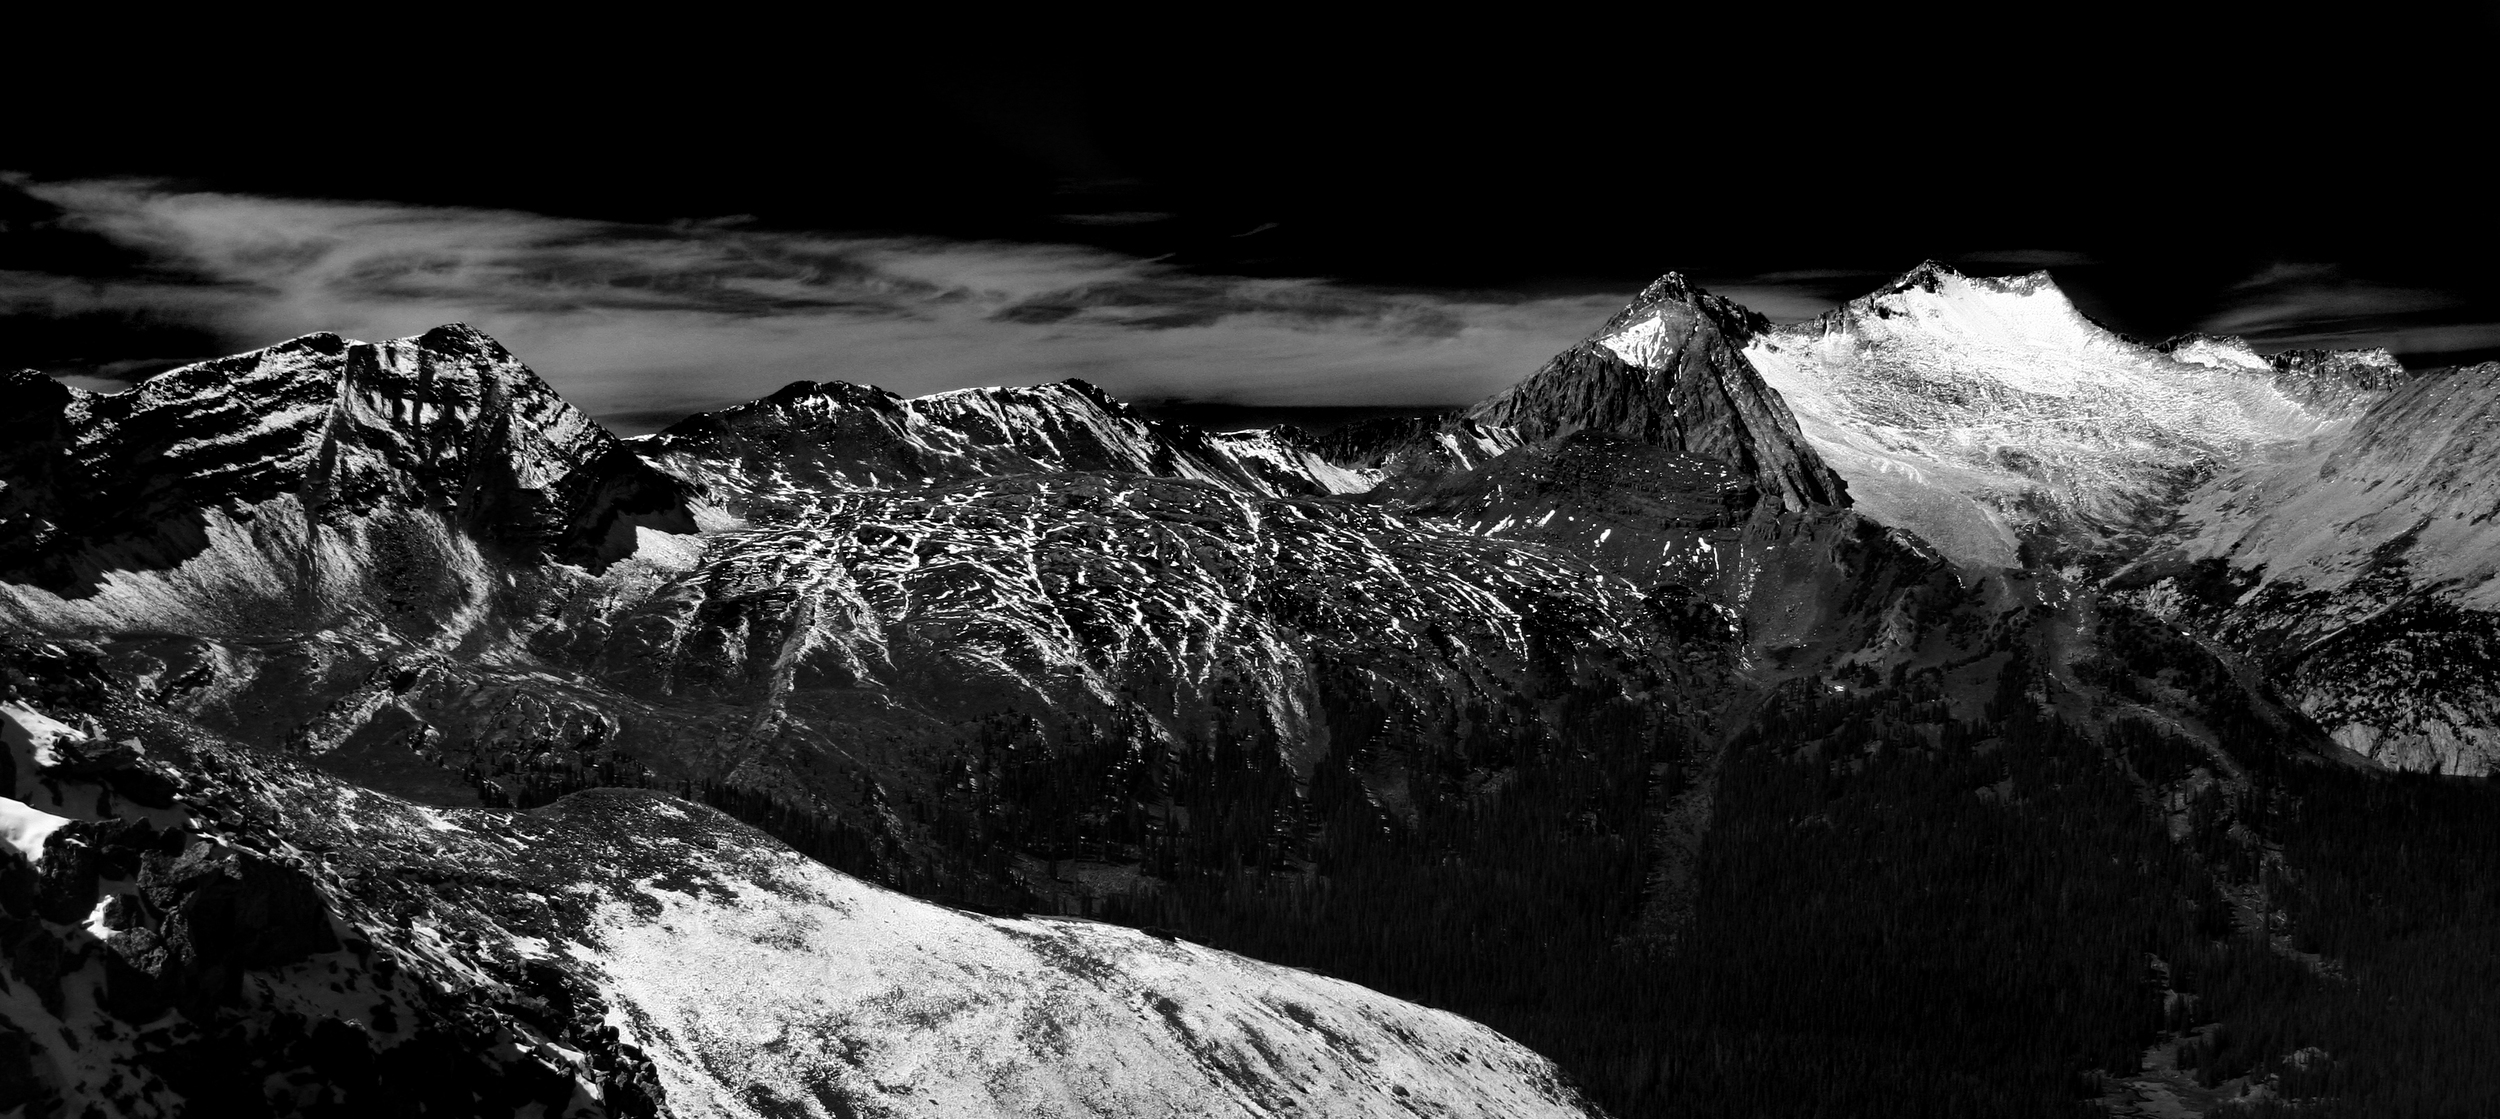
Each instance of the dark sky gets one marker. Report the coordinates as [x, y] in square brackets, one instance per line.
[2241, 167]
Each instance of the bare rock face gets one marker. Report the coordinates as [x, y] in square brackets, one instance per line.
[1670, 370]
[2339, 380]
[812, 438]
[1408, 449]
[447, 424]
[874, 578]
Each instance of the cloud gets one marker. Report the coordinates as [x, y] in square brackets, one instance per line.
[2027, 258]
[649, 320]
[1120, 217]
[1795, 295]
[1782, 303]
[2293, 305]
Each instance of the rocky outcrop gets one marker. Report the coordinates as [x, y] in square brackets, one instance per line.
[2341, 381]
[447, 424]
[1670, 370]
[2331, 382]
[814, 437]
[186, 928]
[1398, 449]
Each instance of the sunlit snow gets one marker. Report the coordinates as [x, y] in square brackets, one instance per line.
[1964, 408]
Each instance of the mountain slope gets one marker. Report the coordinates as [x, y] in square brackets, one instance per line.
[2358, 569]
[877, 578]
[1545, 725]
[190, 927]
[1670, 370]
[272, 481]
[1982, 413]
[2336, 383]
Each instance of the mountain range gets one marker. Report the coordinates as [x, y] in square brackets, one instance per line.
[1943, 706]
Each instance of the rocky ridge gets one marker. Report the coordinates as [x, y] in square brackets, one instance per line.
[367, 467]
[811, 438]
[1670, 371]
[2335, 382]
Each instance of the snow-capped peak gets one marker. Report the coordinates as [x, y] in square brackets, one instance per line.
[1965, 407]
[1936, 303]
[1672, 295]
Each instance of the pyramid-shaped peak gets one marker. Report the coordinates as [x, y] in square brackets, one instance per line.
[1674, 286]
[1669, 370]
[1927, 275]
[1674, 292]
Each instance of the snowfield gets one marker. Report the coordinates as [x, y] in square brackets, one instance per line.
[781, 987]
[1970, 410]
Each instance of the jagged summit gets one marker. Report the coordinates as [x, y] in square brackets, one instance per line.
[812, 436]
[1669, 370]
[447, 423]
[2336, 382]
[2340, 381]
[1925, 274]
[1938, 301]
[1732, 318]
[1935, 275]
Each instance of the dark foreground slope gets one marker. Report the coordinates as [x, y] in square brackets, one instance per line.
[190, 928]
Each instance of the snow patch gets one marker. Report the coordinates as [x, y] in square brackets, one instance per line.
[2221, 353]
[1640, 344]
[31, 735]
[667, 551]
[26, 827]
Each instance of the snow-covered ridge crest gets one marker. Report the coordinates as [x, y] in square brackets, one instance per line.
[1935, 303]
[1975, 411]
[2339, 383]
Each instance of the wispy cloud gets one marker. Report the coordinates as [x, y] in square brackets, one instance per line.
[2321, 305]
[2026, 258]
[1796, 295]
[646, 320]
